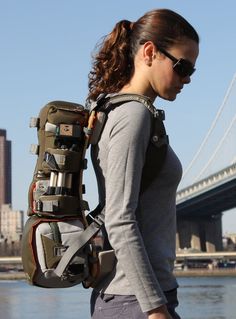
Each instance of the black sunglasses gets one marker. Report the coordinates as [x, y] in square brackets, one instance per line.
[181, 66]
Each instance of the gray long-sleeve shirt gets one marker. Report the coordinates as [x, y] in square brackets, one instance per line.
[141, 228]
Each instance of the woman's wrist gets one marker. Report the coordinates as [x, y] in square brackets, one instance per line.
[160, 309]
[159, 313]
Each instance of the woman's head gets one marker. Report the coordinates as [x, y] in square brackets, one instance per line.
[157, 32]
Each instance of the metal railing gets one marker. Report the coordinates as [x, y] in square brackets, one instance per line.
[206, 184]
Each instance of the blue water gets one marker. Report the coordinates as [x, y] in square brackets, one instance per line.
[208, 298]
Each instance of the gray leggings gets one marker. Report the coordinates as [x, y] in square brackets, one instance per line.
[104, 306]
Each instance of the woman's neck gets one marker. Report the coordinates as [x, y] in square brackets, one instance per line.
[138, 90]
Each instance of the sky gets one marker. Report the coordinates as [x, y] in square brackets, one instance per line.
[45, 55]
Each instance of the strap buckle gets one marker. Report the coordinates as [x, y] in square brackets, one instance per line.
[160, 114]
[97, 219]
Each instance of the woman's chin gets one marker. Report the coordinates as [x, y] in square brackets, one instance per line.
[169, 97]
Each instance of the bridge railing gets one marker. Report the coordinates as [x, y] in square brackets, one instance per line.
[206, 184]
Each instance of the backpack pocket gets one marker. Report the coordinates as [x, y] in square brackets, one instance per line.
[44, 243]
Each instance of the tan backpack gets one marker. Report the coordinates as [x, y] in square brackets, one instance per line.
[58, 248]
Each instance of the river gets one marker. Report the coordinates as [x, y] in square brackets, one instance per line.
[200, 298]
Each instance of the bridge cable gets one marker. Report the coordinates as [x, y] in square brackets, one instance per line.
[212, 126]
[216, 150]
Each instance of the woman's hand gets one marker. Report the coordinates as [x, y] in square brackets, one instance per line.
[159, 313]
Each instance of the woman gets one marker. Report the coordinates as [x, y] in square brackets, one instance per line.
[153, 57]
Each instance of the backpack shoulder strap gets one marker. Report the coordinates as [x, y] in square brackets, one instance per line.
[116, 100]
[157, 149]
[159, 140]
[105, 104]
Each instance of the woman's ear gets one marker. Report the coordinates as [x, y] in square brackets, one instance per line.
[149, 52]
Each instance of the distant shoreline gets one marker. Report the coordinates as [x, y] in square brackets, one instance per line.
[206, 272]
[20, 275]
[12, 275]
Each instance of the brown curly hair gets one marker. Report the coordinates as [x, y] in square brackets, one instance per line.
[113, 65]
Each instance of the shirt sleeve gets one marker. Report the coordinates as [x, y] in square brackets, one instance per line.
[129, 138]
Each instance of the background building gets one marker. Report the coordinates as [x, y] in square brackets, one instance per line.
[11, 221]
[5, 169]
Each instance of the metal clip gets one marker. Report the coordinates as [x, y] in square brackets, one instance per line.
[158, 141]
[34, 122]
[34, 149]
[159, 114]
[97, 219]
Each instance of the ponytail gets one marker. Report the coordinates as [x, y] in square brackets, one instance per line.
[113, 65]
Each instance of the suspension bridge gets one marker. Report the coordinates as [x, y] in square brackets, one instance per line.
[208, 187]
